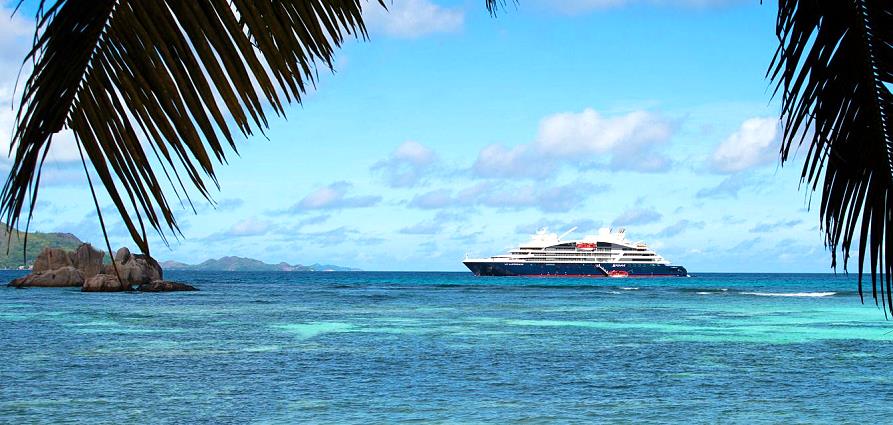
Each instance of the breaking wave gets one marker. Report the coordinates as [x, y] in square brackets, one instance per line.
[790, 294]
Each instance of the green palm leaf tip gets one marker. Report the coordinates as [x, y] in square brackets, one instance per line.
[832, 66]
[163, 85]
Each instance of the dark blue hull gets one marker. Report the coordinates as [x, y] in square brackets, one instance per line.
[498, 268]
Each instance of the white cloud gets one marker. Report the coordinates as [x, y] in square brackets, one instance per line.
[439, 198]
[423, 228]
[229, 204]
[629, 142]
[64, 148]
[504, 162]
[334, 196]
[571, 134]
[583, 226]
[7, 119]
[489, 194]
[310, 221]
[333, 237]
[772, 226]
[553, 199]
[249, 227]
[414, 153]
[412, 18]
[634, 216]
[16, 36]
[730, 186]
[407, 165]
[754, 143]
[680, 227]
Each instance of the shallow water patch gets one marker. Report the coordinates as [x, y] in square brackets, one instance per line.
[312, 329]
[656, 327]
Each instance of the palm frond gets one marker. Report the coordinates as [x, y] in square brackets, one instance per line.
[164, 80]
[832, 65]
[493, 6]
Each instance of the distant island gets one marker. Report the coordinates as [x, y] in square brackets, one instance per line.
[11, 255]
[241, 264]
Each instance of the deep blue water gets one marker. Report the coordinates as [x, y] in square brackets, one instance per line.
[448, 348]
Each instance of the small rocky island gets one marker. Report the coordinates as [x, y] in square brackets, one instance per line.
[84, 268]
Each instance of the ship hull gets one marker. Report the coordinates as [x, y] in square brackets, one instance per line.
[499, 268]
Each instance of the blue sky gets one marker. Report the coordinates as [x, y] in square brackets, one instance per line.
[452, 132]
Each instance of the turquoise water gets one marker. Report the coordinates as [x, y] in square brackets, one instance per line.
[448, 348]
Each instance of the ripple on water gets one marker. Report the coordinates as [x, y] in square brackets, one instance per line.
[262, 348]
[94, 323]
[482, 350]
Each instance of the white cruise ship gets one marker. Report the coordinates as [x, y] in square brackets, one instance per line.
[607, 254]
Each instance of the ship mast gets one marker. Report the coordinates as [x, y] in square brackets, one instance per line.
[567, 233]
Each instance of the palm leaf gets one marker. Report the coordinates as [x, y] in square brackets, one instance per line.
[494, 5]
[167, 81]
[832, 66]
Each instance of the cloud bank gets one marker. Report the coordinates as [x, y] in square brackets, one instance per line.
[491, 194]
[627, 142]
[636, 216]
[407, 165]
[412, 18]
[334, 197]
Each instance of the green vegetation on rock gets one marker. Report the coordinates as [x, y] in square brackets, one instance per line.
[11, 247]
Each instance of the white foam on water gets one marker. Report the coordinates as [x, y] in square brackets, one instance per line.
[629, 289]
[790, 294]
[704, 293]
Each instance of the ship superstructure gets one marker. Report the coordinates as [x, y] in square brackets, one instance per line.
[607, 254]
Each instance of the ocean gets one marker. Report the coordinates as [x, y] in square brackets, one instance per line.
[369, 347]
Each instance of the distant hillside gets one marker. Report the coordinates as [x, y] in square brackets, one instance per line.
[36, 242]
[241, 264]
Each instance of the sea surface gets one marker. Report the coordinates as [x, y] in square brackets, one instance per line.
[368, 347]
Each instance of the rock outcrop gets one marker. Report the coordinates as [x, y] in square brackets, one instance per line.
[66, 276]
[126, 271]
[104, 283]
[56, 267]
[51, 259]
[83, 268]
[110, 283]
[134, 269]
[122, 255]
[88, 260]
[165, 286]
